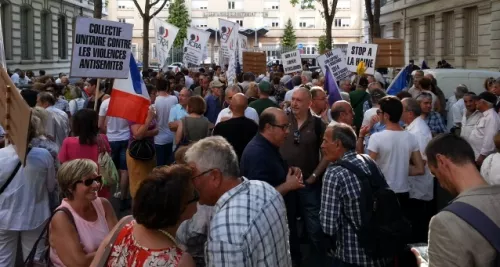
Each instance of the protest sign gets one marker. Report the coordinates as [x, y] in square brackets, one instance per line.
[291, 61]
[165, 36]
[101, 49]
[335, 61]
[194, 45]
[357, 52]
[254, 62]
[243, 46]
[228, 36]
[15, 115]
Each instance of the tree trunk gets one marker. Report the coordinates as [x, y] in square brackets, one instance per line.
[329, 37]
[376, 20]
[98, 9]
[145, 41]
[369, 16]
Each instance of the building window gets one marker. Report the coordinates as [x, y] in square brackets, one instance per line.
[27, 33]
[396, 27]
[122, 20]
[240, 22]
[230, 5]
[302, 24]
[471, 31]
[154, 54]
[430, 35]
[46, 34]
[344, 4]
[203, 7]
[382, 31]
[449, 33]
[62, 37]
[342, 22]
[275, 24]
[6, 17]
[121, 7]
[414, 37]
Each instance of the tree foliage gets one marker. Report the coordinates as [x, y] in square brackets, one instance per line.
[179, 17]
[150, 10]
[329, 7]
[322, 44]
[289, 38]
[373, 15]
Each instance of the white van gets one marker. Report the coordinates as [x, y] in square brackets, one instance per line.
[449, 79]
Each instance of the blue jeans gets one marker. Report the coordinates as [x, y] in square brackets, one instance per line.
[309, 204]
[163, 154]
[118, 154]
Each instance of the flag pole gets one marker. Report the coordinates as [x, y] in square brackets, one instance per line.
[96, 97]
[7, 115]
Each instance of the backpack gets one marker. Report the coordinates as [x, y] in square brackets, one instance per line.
[384, 231]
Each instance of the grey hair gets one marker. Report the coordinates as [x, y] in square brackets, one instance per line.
[460, 91]
[422, 96]
[345, 134]
[233, 88]
[345, 96]
[412, 105]
[214, 153]
[75, 92]
[345, 81]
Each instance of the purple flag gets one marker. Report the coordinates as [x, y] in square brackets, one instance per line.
[331, 87]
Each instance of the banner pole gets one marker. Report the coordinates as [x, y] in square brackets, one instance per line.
[96, 97]
[7, 115]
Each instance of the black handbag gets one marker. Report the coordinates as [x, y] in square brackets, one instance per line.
[142, 149]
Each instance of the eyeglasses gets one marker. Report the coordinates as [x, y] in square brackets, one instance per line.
[201, 174]
[90, 181]
[283, 126]
[296, 137]
[195, 198]
[379, 112]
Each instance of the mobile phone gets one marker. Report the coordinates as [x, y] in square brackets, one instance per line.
[422, 249]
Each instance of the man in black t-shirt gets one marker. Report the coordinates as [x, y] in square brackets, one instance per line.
[237, 130]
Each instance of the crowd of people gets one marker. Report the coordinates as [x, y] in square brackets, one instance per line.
[243, 174]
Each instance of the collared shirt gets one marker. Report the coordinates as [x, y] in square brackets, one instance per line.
[257, 236]
[250, 113]
[469, 122]
[340, 210]
[458, 111]
[481, 138]
[57, 124]
[24, 205]
[177, 112]
[62, 104]
[214, 106]
[422, 186]
[435, 123]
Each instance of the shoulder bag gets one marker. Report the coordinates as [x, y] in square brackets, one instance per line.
[13, 174]
[107, 167]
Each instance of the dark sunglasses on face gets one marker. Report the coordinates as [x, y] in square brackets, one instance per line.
[90, 181]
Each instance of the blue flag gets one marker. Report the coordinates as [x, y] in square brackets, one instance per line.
[331, 87]
[399, 83]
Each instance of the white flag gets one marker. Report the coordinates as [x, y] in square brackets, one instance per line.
[165, 36]
[194, 45]
[228, 32]
[242, 47]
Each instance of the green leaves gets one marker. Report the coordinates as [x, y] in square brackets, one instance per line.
[179, 16]
[289, 39]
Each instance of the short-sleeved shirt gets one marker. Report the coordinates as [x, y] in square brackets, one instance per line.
[177, 112]
[394, 149]
[117, 128]
[261, 104]
[163, 106]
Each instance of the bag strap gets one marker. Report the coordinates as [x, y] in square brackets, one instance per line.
[318, 130]
[107, 250]
[478, 220]
[185, 128]
[13, 174]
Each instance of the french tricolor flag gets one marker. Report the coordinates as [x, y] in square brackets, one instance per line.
[130, 98]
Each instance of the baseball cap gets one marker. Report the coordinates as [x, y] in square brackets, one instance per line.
[216, 83]
[488, 97]
[265, 87]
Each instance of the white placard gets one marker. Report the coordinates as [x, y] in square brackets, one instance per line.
[357, 52]
[165, 36]
[335, 60]
[228, 36]
[243, 46]
[194, 45]
[101, 49]
[291, 61]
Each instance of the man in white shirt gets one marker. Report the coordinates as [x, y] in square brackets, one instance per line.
[226, 113]
[57, 126]
[481, 138]
[415, 89]
[19, 78]
[421, 186]
[394, 148]
[471, 116]
[457, 110]
[165, 138]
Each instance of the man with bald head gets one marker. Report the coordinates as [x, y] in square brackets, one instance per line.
[302, 149]
[262, 161]
[238, 130]
[342, 112]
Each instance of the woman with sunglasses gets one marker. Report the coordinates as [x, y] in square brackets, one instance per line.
[74, 241]
[160, 205]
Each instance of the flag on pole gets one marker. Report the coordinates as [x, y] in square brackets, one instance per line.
[130, 98]
[399, 83]
[331, 87]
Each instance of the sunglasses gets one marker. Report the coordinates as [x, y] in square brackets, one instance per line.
[296, 137]
[90, 181]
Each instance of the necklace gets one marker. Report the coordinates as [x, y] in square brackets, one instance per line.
[169, 236]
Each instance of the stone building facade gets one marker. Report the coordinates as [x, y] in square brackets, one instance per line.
[466, 33]
[37, 34]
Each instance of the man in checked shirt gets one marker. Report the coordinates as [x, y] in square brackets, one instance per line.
[340, 199]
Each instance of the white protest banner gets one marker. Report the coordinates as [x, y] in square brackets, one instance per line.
[291, 61]
[228, 36]
[101, 49]
[243, 46]
[357, 52]
[194, 45]
[165, 36]
[335, 61]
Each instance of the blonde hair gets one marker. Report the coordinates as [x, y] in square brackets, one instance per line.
[73, 171]
[34, 128]
[252, 90]
[42, 115]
